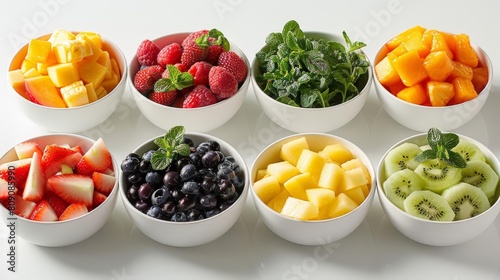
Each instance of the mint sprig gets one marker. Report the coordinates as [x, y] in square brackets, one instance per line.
[176, 80]
[440, 148]
[169, 146]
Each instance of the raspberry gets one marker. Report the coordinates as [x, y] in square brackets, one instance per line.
[193, 53]
[200, 96]
[170, 54]
[145, 79]
[147, 52]
[200, 71]
[222, 83]
[234, 64]
[214, 52]
[164, 98]
[191, 38]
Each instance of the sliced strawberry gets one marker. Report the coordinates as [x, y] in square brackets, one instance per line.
[57, 203]
[78, 149]
[4, 190]
[52, 156]
[22, 208]
[57, 166]
[35, 183]
[72, 188]
[73, 211]
[96, 159]
[98, 199]
[103, 183]
[26, 149]
[43, 212]
[16, 171]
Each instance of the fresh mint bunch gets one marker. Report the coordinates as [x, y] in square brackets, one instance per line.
[169, 146]
[176, 80]
[308, 72]
[441, 145]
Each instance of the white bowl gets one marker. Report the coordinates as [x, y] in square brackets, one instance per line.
[421, 117]
[437, 233]
[62, 233]
[76, 119]
[311, 232]
[201, 119]
[299, 120]
[191, 233]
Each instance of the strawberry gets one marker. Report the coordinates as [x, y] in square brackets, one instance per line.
[191, 38]
[145, 79]
[57, 203]
[4, 190]
[74, 210]
[213, 54]
[234, 64]
[72, 188]
[23, 208]
[222, 83]
[34, 188]
[193, 53]
[96, 159]
[163, 98]
[43, 212]
[78, 149]
[98, 199]
[103, 183]
[52, 158]
[26, 149]
[170, 54]
[147, 52]
[200, 96]
[199, 70]
[16, 171]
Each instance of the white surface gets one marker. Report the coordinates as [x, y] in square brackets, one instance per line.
[376, 250]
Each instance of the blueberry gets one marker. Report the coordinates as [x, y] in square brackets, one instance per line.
[196, 159]
[188, 141]
[145, 191]
[212, 212]
[191, 187]
[210, 159]
[226, 173]
[179, 217]
[147, 155]
[168, 209]
[133, 194]
[154, 211]
[194, 215]
[227, 190]
[160, 196]
[187, 202]
[209, 186]
[142, 206]
[154, 178]
[145, 166]
[172, 179]
[208, 201]
[130, 164]
[188, 172]
[135, 178]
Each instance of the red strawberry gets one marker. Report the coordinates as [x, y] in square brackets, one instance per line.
[34, 188]
[72, 188]
[199, 70]
[103, 183]
[147, 52]
[74, 210]
[98, 199]
[77, 149]
[16, 171]
[54, 156]
[193, 53]
[234, 64]
[23, 208]
[200, 96]
[145, 79]
[26, 149]
[222, 82]
[170, 54]
[57, 203]
[214, 52]
[43, 212]
[96, 159]
[5, 192]
[191, 38]
[163, 98]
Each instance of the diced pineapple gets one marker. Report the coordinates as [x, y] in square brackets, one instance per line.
[311, 162]
[354, 178]
[91, 72]
[356, 162]
[267, 188]
[365, 189]
[63, 74]
[332, 177]
[282, 170]
[291, 150]
[91, 92]
[72, 51]
[341, 205]
[38, 50]
[356, 194]
[100, 92]
[16, 80]
[338, 153]
[279, 200]
[297, 185]
[320, 197]
[299, 209]
[75, 94]
[261, 173]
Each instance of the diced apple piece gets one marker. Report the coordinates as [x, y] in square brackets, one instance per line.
[297, 185]
[338, 153]
[341, 205]
[332, 177]
[299, 209]
[320, 197]
[267, 188]
[63, 74]
[311, 162]
[291, 150]
[354, 178]
[279, 200]
[38, 50]
[43, 91]
[282, 170]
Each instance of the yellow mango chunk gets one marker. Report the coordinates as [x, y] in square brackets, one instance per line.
[41, 90]
[410, 67]
[38, 50]
[92, 96]
[91, 72]
[438, 66]
[16, 80]
[63, 74]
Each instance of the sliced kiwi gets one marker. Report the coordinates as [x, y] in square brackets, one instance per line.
[428, 205]
[469, 151]
[480, 174]
[466, 200]
[400, 184]
[401, 157]
[438, 175]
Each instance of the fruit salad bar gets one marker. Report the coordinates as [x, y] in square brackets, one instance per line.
[250, 144]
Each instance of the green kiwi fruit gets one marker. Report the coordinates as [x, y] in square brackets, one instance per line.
[438, 175]
[401, 157]
[428, 205]
[480, 174]
[469, 151]
[466, 200]
[400, 184]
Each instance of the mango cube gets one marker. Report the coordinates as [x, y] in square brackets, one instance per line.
[267, 188]
[291, 150]
[16, 79]
[299, 209]
[42, 90]
[91, 72]
[27, 65]
[38, 50]
[297, 185]
[63, 74]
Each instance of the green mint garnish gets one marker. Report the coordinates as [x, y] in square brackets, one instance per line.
[440, 148]
[169, 146]
[176, 80]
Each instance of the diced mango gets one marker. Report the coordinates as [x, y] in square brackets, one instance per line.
[464, 91]
[27, 65]
[33, 72]
[63, 74]
[94, 37]
[43, 91]
[297, 185]
[282, 170]
[439, 44]
[38, 50]
[440, 93]
[397, 87]
[104, 60]
[414, 94]
[414, 42]
[299, 209]
[401, 37]
[290, 151]
[267, 188]
[332, 177]
[460, 70]
[410, 68]
[16, 80]
[464, 53]
[479, 78]
[386, 73]
[111, 83]
[438, 66]
[320, 197]
[91, 72]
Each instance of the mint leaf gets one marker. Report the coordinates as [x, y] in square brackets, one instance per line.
[219, 39]
[175, 135]
[164, 85]
[169, 146]
[440, 148]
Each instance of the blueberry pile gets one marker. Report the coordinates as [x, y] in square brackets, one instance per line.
[193, 187]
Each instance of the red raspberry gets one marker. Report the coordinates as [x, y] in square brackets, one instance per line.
[222, 83]
[164, 98]
[200, 96]
[145, 79]
[234, 64]
[170, 54]
[193, 53]
[147, 52]
[214, 52]
[200, 71]
[191, 38]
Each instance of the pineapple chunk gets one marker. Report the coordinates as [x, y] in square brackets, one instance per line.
[261, 173]
[278, 201]
[91, 72]
[63, 74]
[38, 50]
[60, 36]
[356, 162]
[341, 205]
[357, 194]
[299, 209]
[96, 49]
[311, 162]
[291, 150]
[332, 177]
[92, 36]
[115, 67]
[320, 197]
[282, 170]
[72, 51]
[297, 185]
[75, 94]
[337, 153]
[91, 92]
[354, 178]
[267, 188]
[100, 92]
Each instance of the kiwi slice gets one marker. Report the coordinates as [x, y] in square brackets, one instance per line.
[401, 157]
[437, 175]
[428, 205]
[480, 174]
[469, 151]
[466, 200]
[400, 184]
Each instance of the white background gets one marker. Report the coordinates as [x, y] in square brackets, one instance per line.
[376, 250]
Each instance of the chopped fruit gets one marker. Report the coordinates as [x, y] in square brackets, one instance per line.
[16, 171]
[75, 94]
[91, 72]
[291, 150]
[22, 207]
[479, 78]
[410, 68]
[103, 183]
[354, 178]
[234, 64]
[52, 158]
[400, 38]
[279, 200]
[332, 177]
[16, 80]
[299, 209]
[72, 51]
[35, 183]
[357, 194]
[267, 188]
[298, 184]
[147, 53]
[438, 66]
[440, 93]
[341, 205]
[415, 94]
[386, 73]
[38, 50]
[63, 74]
[98, 199]
[72, 188]
[57, 203]
[43, 212]
[74, 210]
[6, 190]
[460, 70]
[41, 90]
[464, 53]
[27, 149]
[338, 153]
[464, 91]
[96, 159]
[320, 197]
[222, 83]
[311, 162]
[282, 170]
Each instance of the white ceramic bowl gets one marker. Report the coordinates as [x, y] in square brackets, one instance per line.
[311, 232]
[62, 233]
[437, 233]
[421, 117]
[201, 119]
[76, 119]
[301, 120]
[191, 233]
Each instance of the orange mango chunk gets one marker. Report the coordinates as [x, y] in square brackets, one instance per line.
[460, 71]
[440, 93]
[464, 91]
[414, 94]
[398, 39]
[386, 73]
[439, 44]
[410, 68]
[438, 66]
[397, 87]
[42, 90]
[414, 42]
[38, 50]
[479, 78]
[464, 53]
